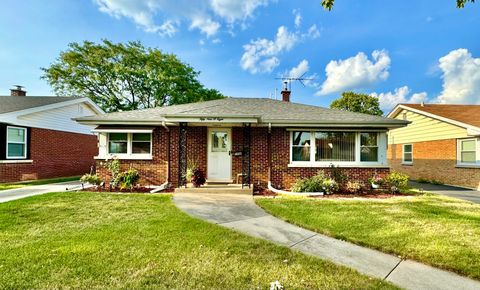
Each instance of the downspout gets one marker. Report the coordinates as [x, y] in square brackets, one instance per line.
[270, 187]
[164, 185]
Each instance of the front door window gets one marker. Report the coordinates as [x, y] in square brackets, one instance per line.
[219, 141]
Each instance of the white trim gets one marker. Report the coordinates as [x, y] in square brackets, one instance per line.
[459, 153]
[123, 130]
[129, 155]
[394, 113]
[16, 161]
[322, 164]
[24, 156]
[94, 106]
[403, 154]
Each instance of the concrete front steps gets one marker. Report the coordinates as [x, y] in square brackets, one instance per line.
[222, 188]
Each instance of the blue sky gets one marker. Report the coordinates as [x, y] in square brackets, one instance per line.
[399, 51]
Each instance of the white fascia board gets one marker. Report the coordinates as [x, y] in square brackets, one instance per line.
[122, 130]
[212, 120]
[433, 116]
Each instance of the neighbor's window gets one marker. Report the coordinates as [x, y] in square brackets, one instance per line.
[16, 143]
[301, 146]
[118, 143]
[468, 151]
[407, 153]
[369, 147]
[334, 146]
[141, 143]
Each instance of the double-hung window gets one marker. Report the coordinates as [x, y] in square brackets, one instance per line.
[132, 144]
[301, 146]
[16, 143]
[369, 147]
[467, 151]
[407, 154]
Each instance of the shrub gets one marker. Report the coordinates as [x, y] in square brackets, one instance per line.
[192, 164]
[317, 183]
[128, 179]
[198, 178]
[337, 174]
[397, 181]
[91, 178]
[113, 165]
[423, 180]
[353, 186]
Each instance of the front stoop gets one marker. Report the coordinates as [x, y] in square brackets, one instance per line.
[217, 188]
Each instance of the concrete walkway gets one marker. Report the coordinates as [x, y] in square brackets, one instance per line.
[239, 212]
[17, 193]
[451, 191]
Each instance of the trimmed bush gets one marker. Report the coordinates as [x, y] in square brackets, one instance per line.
[317, 183]
[397, 181]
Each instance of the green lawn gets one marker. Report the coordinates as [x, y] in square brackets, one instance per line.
[103, 240]
[440, 231]
[4, 186]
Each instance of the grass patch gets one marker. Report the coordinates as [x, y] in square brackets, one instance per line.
[103, 240]
[5, 186]
[440, 231]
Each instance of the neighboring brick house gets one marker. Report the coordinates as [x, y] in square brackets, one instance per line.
[256, 141]
[39, 139]
[441, 143]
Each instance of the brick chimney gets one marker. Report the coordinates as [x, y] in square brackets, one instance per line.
[286, 93]
[18, 91]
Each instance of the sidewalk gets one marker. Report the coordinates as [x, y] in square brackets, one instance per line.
[239, 212]
[18, 193]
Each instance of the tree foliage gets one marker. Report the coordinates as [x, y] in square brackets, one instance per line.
[360, 103]
[121, 77]
[328, 4]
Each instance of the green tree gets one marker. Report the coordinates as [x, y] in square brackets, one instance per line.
[328, 4]
[360, 103]
[122, 77]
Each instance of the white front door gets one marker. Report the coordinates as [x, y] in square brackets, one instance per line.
[219, 163]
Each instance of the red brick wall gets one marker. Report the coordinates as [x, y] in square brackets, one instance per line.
[54, 154]
[154, 171]
[434, 160]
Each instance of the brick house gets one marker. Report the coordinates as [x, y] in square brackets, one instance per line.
[253, 141]
[441, 143]
[39, 139]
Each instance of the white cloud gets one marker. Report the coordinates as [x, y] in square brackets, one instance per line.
[313, 32]
[401, 95]
[204, 15]
[298, 18]
[298, 71]
[461, 78]
[235, 10]
[260, 55]
[355, 72]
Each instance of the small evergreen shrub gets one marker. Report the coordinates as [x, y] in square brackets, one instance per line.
[317, 183]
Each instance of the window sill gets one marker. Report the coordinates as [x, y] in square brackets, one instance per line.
[125, 157]
[407, 164]
[350, 165]
[467, 166]
[17, 161]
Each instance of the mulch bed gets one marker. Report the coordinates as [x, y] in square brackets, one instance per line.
[135, 190]
[365, 194]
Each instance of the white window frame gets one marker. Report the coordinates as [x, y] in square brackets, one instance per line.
[376, 146]
[23, 143]
[314, 163]
[459, 152]
[403, 154]
[130, 154]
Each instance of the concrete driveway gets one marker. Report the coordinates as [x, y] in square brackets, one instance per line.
[17, 193]
[451, 191]
[239, 212]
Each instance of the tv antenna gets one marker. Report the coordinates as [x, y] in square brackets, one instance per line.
[288, 80]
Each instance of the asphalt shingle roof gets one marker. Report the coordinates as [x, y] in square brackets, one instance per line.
[15, 103]
[266, 110]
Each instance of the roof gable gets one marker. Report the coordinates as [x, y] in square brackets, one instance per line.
[18, 105]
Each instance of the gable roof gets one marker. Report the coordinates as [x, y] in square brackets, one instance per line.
[11, 104]
[466, 116]
[261, 109]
